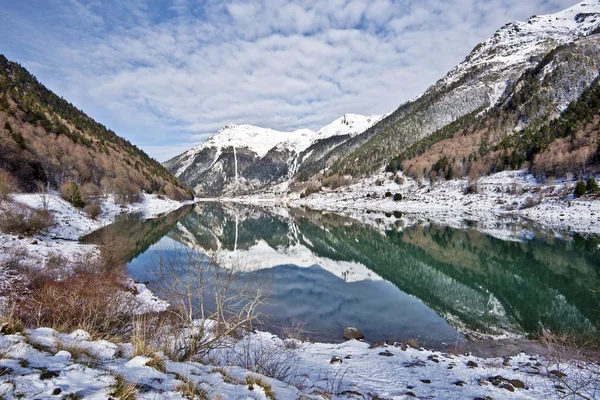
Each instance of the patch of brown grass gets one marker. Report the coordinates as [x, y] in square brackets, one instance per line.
[96, 303]
[252, 380]
[20, 219]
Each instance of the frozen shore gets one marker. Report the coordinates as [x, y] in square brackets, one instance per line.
[44, 364]
[60, 244]
[491, 201]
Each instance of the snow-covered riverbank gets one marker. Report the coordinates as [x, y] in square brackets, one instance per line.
[72, 223]
[509, 193]
[493, 204]
[45, 364]
[60, 245]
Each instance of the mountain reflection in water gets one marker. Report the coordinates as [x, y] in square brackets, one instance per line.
[430, 282]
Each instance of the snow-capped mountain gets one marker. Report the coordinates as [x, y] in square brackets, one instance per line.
[480, 82]
[518, 45]
[241, 158]
[562, 50]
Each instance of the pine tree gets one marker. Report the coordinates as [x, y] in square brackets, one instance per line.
[71, 193]
[592, 185]
[580, 189]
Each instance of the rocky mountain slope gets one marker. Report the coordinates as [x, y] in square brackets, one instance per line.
[512, 84]
[46, 140]
[490, 73]
[243, 158]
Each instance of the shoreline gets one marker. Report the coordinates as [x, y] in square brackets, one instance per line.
[503, 368]
[500, 199]
[78, 225]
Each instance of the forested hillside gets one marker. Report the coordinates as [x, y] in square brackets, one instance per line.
[505, 90]
[48, 142]
[522, 131]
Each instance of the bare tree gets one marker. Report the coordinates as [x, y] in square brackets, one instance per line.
[43, 191]
[210, 300]
[573, 365]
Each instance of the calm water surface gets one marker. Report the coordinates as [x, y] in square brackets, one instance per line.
[430, 282]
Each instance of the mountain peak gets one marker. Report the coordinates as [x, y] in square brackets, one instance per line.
[518, 44]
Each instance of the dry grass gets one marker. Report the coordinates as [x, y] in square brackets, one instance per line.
[252, 380]
[123, 390]
[95, 303]
[10, 324]
[19, 219]
[411, 342]
[226, 377]
[157, 362]
[191, 390]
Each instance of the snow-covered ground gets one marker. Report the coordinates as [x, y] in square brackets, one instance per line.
[71, 224]
[61, 243]
[502, 203]
[45, 364]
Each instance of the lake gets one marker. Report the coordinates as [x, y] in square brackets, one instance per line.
[408, 280]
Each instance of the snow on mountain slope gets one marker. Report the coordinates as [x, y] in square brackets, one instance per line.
[349, 124]
[516, 44]
[261, 140]
[242, 158]
[480, 82]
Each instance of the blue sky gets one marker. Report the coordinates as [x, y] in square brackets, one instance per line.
[165, 74]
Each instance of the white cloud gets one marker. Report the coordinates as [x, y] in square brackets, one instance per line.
[162, 77]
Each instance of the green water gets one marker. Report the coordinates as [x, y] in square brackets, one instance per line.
[435, 283]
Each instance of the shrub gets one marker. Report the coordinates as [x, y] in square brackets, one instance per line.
[314, 188]
[23, 220]
[8, 185]
[336, 181]
[96, 303]
[388, 194]
[471, 189]
[580, 189]
[93, 210]
[397, 197]
[70, 192]
[91, 193]
[591, 185]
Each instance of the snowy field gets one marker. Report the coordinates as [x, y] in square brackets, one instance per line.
[44, 364]
[72, 223]
[497, 202]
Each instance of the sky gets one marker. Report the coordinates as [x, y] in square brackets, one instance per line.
[166, 74]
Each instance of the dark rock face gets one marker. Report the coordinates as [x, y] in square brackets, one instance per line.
[271, 168]
[353, 333]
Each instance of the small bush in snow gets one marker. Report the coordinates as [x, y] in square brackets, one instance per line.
[592, 185]
[580, 189]
[471, 189]
[70, 192]
[93, 210]
[23, 220]
[310, 190]
[397, 197]
[388, 194]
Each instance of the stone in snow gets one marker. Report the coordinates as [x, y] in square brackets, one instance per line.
[353, 333]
